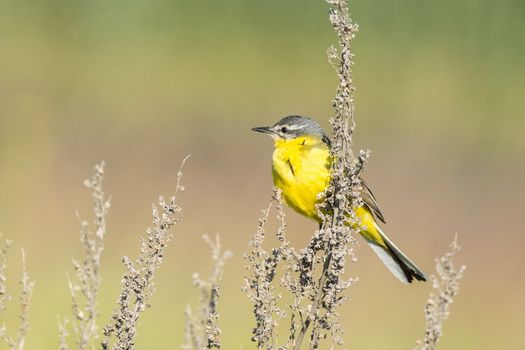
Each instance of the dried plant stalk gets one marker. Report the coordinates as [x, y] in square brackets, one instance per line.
[314, 275]
[202, 328]
[138, 279]
[262, 269]
[333, 243]
[446, 286]
[85, 287]
[18, 342]
[4, 297]
[63, 334]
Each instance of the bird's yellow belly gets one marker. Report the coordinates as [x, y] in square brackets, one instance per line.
[302, 194]
[302, 173]
[301, 169]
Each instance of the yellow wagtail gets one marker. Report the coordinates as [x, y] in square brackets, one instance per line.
[301, 169]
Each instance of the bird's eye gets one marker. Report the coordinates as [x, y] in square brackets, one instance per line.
[284, 129]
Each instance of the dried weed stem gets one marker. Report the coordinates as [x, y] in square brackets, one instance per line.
[85, 287]
[446, 286]
[314, 275]
[138, 279]
[202, 328]
[262, 269]
[4, 297]
[18, 342]
[331, 245]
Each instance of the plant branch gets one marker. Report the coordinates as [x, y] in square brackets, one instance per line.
[446, 286]
[84, 289]
[202, 329]
[138, 279]
[18, 342]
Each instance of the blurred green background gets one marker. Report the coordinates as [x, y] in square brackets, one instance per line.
[140, 84]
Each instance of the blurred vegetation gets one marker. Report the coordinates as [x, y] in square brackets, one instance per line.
[142, 83]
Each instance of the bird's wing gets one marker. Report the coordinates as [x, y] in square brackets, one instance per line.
[370, 201]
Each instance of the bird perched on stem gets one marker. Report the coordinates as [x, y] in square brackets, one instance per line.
[301, 169]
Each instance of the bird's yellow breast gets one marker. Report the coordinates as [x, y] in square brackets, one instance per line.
[301, 169]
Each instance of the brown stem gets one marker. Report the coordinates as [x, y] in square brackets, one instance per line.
[317, 301]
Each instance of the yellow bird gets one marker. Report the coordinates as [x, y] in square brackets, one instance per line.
[301, 169]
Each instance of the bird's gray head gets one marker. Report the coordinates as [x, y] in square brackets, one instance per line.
[294, 126]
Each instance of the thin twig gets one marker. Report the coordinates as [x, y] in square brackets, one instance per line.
[84, 289]
[138, 279]
[316, 300]
[18, 342]
[446, 286]
[341, 195]
[202, 329]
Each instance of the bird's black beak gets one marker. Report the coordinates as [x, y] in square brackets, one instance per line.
[263, 129]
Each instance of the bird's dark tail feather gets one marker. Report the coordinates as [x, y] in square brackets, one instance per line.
[397, 262]
[410, 270]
